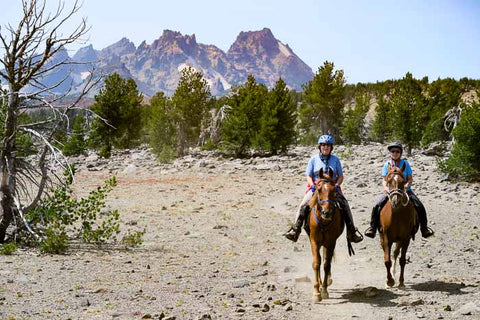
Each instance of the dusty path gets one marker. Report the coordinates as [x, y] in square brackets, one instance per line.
[214, 250]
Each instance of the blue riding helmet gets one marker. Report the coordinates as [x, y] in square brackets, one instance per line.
[326, 139]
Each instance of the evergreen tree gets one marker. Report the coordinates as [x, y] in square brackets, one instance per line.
[242, 122]
[189, 107]
[408, 109]
[118, 106]
[161, 128]
[324, 96]
[463, 161]
[76, 143]
[277, 121]
[353, 130]
[443, 95]
[382, 126]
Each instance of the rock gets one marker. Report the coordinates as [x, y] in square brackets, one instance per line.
[131, 168]
[371, 292]
[266, 308]
[435, 149]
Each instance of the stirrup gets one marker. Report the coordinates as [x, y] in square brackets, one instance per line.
[354, 236]
[292, 234]
[370, 232]
[427, 232]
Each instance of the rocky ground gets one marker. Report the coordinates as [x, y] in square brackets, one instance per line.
[213, 247]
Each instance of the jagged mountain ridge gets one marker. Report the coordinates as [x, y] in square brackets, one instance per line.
[157, 67]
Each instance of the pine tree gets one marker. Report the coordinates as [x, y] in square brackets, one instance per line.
[189, 107]
[443, 95]
[408, 107]
[277, 121]
[161, 128]
[242, 122]
[382, 127]
[463, 161]
[324, 96]
[118, 107]
[353, 130]
[76, 144]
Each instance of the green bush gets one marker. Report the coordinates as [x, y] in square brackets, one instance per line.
[463, 161]
[56, 240]
[62, 216]
[133, 239]
[8, 248]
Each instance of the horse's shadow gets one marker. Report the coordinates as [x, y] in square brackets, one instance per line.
[371, 295]
[448, 287]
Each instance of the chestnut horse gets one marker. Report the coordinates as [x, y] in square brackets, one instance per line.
[397, 223]
[326, 225]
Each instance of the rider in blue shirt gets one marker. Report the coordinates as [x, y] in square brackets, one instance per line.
[323, 160]
[396, 149]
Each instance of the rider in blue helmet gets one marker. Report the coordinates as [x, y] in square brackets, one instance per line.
[324, 159]
[395, 150]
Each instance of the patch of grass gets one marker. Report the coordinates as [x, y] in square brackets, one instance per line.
[133, 239]
[8, 248]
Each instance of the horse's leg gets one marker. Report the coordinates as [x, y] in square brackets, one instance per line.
[396, 251]
[387, 246]
[403, 261]
[329, 278]
[327, 267]
[316, 270]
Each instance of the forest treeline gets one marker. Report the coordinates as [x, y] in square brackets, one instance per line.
[254, 119]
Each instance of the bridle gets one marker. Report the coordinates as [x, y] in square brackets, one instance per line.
[323, 213]
[400, 192]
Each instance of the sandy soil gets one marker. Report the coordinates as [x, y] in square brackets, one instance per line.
[214, 247]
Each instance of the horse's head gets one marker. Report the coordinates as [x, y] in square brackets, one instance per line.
[396, 186]
[326, 194]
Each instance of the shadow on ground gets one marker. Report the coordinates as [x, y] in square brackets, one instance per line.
[448, 287]
[371, 295]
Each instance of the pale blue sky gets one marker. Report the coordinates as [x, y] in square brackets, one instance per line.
[369, 40]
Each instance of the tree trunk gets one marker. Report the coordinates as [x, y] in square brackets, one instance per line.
[7, 163]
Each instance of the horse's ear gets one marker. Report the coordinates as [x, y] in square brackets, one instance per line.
[389, 167]
[403, 166]
[320, 173]
[330, 172]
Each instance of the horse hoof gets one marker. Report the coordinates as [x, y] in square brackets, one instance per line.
[390, 283]
[325, 294]
[401, 286]
[317, 297]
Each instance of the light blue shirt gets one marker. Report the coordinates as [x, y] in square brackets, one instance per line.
[406, 173]
[315, 164]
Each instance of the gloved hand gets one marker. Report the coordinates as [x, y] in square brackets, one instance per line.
[337, 188]
[312, 187]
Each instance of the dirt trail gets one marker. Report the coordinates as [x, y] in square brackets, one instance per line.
[214, 247]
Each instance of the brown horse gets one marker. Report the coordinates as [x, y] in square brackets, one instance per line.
[397, 223]
[326, 225]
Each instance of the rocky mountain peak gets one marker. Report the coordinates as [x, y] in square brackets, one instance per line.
[119, 48]
[157, 67]
[86, 54]
[174, 41]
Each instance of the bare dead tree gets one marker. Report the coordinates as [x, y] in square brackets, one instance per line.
[452, 118]
[28, 49]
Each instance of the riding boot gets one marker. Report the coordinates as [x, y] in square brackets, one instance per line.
[296, 229]
[375, 216]
[422, 217]
[352, 233]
